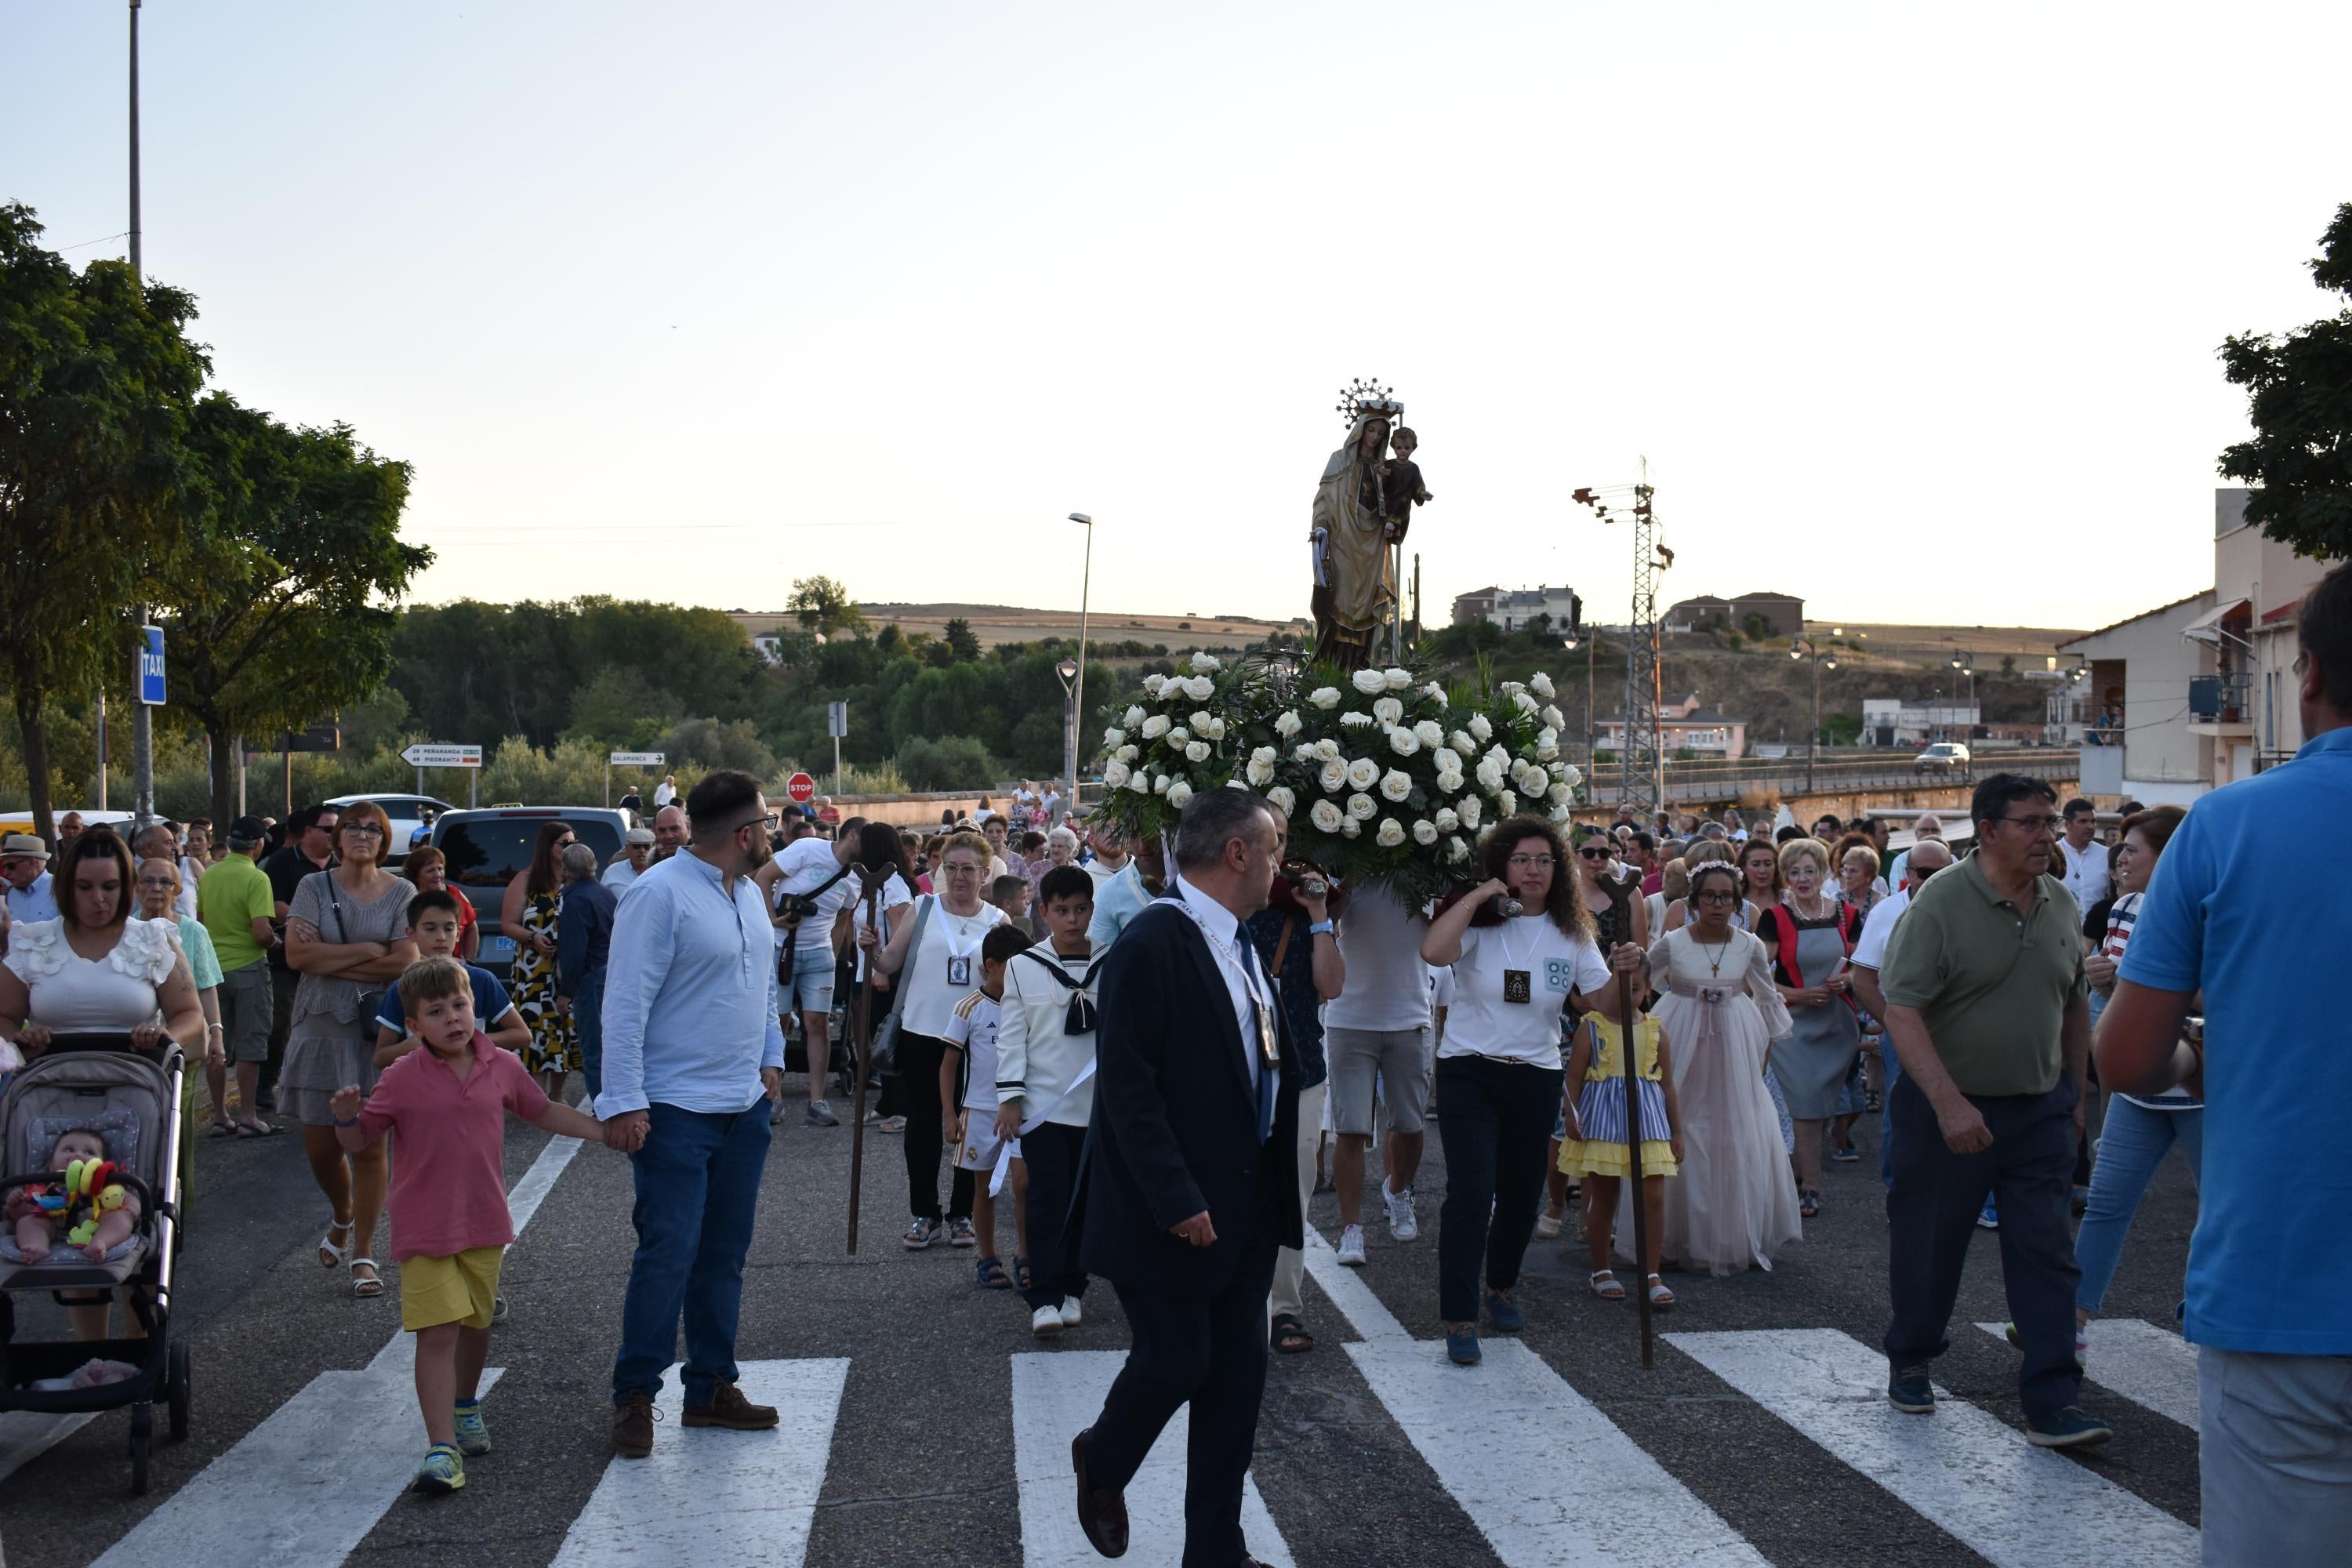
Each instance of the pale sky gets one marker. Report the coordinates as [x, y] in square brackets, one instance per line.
[683, 302]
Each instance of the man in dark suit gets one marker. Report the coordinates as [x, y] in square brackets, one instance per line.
[1191, 1181]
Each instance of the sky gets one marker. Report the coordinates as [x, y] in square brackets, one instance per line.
[1912, 310]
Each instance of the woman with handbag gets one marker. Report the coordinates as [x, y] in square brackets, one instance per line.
[347, 937]
[933, 959]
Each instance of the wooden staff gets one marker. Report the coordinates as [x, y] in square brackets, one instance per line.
[1627, 1019]
[861, 1014]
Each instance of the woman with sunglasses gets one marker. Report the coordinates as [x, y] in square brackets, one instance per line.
[1735, 1204]
[1499, 1069]
[347, 937]
[533, 902]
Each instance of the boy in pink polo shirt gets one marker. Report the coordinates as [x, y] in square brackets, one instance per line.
[449, 1221]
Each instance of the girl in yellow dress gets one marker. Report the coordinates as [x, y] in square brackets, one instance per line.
[1595, 1145]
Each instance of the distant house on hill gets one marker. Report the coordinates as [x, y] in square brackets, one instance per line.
[1474, 606]
[1687, 725]
[1514, 609]
[1782, 614]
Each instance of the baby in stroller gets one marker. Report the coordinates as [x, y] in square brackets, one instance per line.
[95, 1213]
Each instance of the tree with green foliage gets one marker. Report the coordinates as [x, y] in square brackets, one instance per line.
[280, 599]
[98, 379]
[962, 642]
[2299, 401]
[824, 605]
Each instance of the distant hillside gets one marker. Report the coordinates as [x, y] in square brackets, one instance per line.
[994, 624]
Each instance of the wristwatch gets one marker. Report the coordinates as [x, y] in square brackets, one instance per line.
[1320, 928]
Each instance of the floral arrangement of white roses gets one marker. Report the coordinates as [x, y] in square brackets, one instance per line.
[1383, 775]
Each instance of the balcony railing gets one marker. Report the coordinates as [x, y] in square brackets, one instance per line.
[2218, 698]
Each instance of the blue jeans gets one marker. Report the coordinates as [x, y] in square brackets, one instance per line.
[697, 1181]
[2131, 1147]
[588, 1017]
[2276, 1456]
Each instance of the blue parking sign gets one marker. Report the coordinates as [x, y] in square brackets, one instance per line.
[151, 668]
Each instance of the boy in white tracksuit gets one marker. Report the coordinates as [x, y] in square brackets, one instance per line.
[1044, 1057]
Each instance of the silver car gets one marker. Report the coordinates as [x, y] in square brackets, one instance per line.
[1943, 757]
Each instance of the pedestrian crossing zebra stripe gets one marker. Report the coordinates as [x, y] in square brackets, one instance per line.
[2152, 1367]
[714, 1497]
[1965, 1471]
[1057, 1394]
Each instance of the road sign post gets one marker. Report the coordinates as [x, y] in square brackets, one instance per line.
[837, 724]
[151, 668]
[629, 759]
[427, 754]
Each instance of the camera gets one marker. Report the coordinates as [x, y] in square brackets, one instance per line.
[795, 908]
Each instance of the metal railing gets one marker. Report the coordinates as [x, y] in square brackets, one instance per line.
[1710, 780]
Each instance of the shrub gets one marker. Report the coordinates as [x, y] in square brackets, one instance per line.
[948, 762]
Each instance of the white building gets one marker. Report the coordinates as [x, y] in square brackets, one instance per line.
[1513, 608]
[1915, 722]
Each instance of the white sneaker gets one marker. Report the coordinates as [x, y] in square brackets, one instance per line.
[1352, 1246]
[1401, 1224]
[1548, 1226]
[1046, 1323]
[1070, 1313]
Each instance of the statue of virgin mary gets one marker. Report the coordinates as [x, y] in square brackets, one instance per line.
[1355, 584]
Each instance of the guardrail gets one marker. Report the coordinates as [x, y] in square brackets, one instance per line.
[1696, 782]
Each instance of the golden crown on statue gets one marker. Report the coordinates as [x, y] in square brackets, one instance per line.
[1360, 397]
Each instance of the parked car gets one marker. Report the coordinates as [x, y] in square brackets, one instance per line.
[486, 849]
[411, 816]
[1943, 757]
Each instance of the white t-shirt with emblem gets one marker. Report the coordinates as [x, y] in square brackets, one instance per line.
[1480, 1023]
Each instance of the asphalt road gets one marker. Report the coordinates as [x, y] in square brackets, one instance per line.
[1370, 1450]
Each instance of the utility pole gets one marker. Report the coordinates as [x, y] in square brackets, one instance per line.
[142, 720]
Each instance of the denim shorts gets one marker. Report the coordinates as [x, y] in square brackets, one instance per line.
[812, 983]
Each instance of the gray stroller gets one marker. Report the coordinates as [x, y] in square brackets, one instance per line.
[134, 1102]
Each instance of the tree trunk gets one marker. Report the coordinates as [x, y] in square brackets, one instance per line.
[223, 780]
[36, 760]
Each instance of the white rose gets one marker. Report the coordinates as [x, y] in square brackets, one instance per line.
[1325, 816]
[1199, 687]
[1363, 772]
[1179, 737]
[1464, 743]
[1111, 738]
[1388, 710]
[1506, 803]
[1429, 732]
[1353, 718]
[1114, 774]
[1490, 776]
[1265, 754]
[1523, 702]
[1362, 807]
[1451, 781]
[1457, 850]
[1481, 727]
[1136, 782]
[1282, 800]
[1561, 795]
[1435, 691]
[1424, 832]
[1397, 680]
[1333, 776]
[1178, 793]
[1396, 784]
[1260, 774]
[1448, 760]
[1152, 683]
[1499, 757]
[1562, 811]
[1402, 741]
[1129, 752]
[1214, 729]
[1325, 697]
[1370, 682]
[1303, 754]
[1553, 717]
[1470, 812]
[1390, 834]
[1203, 663]
[1155, 726]
[1133, 716]
[1547, 745]
[1351, 827]
[1159, 784]
[1200, 722]
[1571, 777]
[1445, 820]
[1198, 752]
[1541, 685]
[1288, 724]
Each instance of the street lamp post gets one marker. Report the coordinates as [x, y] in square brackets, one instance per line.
[1803, 647]
[1591, 640]
[1067, 670]
[1078, 700]
[142, 718]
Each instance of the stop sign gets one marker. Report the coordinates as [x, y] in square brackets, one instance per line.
[802, 788]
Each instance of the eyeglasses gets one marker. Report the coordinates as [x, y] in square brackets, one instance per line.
[958, 869]
[770, 822]
[1532, 862]
[1591, 853]
[366, 829]
[1716, 898]
[2036, 823]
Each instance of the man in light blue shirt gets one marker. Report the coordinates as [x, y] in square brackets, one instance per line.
[2234, 912]
[692, 1050]
[24, 862]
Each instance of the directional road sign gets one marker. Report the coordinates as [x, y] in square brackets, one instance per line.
[637, 759]
[426, 755]
[836, 719]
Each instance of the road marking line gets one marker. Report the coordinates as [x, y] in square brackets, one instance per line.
[306, 1486]
[1373, 1322]
[1965, 1471]
[708, 1496]
[1055, 1396]
[2151, 1367]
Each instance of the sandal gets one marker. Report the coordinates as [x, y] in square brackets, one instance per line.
[329, 1255]
[1605, 1285]
[1661, 1298]
[1808, 1204]
[371, 1288]
[223, 1130]
[988, 1273]
[255, 1127]
[1289, 1335]
[1020, 1275]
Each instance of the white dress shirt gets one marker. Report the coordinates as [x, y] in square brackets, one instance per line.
[1229, 950]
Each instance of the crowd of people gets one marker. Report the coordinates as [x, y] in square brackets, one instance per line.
[1731, 996]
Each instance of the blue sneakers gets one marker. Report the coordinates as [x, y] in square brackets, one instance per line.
[1988, 1218]
[441, 1473]
[1908, 1390]
[1462, 1345]
[473, 1436]
[2069, 1429]
[1504, 1313]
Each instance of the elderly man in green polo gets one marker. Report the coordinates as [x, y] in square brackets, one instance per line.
[1988, 1006]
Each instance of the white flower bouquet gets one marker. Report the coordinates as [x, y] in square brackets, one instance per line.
[1171, 745]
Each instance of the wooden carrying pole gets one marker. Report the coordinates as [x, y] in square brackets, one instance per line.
[861, 1014]
[1627, 1028]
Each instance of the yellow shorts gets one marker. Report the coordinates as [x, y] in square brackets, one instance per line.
[460, 1290]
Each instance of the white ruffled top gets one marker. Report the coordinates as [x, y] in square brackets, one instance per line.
[111, 995]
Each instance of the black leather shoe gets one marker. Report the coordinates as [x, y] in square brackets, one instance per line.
[1102, 1515]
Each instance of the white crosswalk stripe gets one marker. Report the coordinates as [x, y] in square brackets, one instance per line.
[2150, 1366]
[1968, 1472]
[727, 1500]
[1056, 1393]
